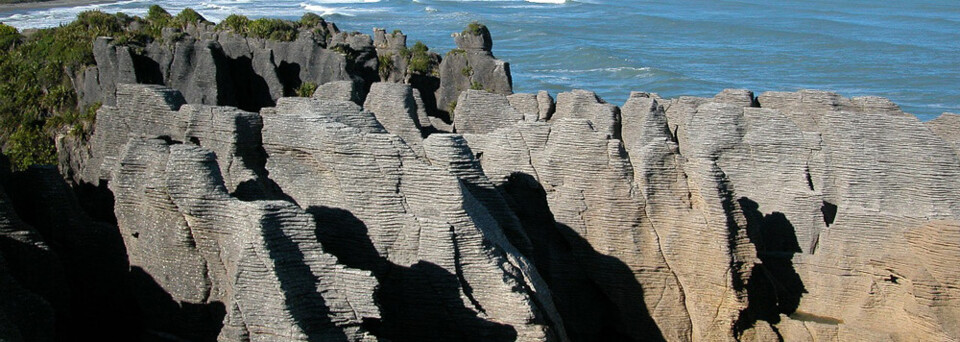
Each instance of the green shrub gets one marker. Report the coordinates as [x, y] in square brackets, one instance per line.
[396, 32]
[157, 14]
[307, 89]
[474, 85]
[235, 22]
[420, 60]
[8, 36]
[189, 16]
[28, 145]
[266, 28]
[311, 20]
[457, 52]
[98, 21]
[467, 71]
[37, 98]
[475, 28]
[273, 29]
[36, 86]
[385, 65]
[78, 121]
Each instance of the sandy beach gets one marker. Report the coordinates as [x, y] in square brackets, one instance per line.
[23, 6]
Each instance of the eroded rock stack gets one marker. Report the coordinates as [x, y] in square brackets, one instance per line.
[214, 67]
[356, 215]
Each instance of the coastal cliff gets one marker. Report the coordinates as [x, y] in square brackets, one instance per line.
[413, 197]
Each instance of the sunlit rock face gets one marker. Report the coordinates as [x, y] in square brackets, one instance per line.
[363, 213]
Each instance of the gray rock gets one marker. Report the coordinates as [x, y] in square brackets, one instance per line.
[479, 40]
[739, 97]
[147, 111]
[546, 105]
[483, 112]
[526, 104]
[947, 127]
[581, 104]
[338, 91]
[398, 111]
[392, 41]
[268, 268]
[114, 65]
[224, 68]
[445, 266]
[471, 66]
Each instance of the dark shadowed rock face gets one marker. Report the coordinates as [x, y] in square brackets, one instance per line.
[223, 68]
[356, 215]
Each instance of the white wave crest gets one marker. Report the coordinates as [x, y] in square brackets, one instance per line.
[325, 11]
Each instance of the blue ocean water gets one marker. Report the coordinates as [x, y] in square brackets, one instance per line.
[908, 51]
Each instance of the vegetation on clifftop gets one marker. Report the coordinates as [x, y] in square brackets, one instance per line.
[475, 28]
[37, 72]
[36, 82]
[273, 29]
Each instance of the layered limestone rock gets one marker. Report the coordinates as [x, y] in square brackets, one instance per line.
[260, 260]
[533, 106]
[583, 178]
[793, 216]
[947, 127]
[447, 269]
[224, 68]
[158, 112]
[338, 91]
[484, 112]
[399, 108]
[741, 203]
[356, 214]
[471, 66]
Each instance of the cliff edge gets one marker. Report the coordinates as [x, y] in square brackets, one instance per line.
[372, 210]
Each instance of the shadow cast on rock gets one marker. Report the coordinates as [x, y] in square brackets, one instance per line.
[598, 296]
[93, 298]
[421, 302]
[774, 287]
[165, 319]
[305, 304]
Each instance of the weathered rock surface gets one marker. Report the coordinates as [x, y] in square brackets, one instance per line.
[360, 214]
[471, 66]
[742, 203]
[809, 217]
[483, 112]
[260, 260]
[947, 127]
[446, 268]
[399, 109]
[223, 68]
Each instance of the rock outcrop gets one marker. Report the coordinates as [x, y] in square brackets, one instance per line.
[225, 68]
[471, 66]
[260, 261]
[446, 268]
[358, 214]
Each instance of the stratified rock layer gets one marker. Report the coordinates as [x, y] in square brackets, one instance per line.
[359, 214]
[446, 268]
[471, 66]
[793, 216]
